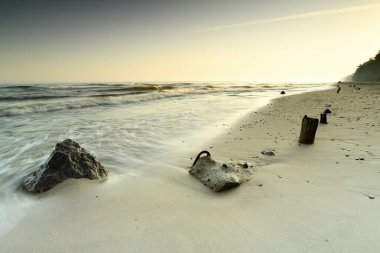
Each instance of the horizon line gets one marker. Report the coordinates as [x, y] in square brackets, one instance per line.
[174, 81]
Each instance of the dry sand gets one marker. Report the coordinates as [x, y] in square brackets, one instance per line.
[313, 198]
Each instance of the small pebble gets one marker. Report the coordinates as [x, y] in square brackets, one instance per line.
[371, 196]
[268, 152]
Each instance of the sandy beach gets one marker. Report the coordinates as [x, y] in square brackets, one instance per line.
[306, 198]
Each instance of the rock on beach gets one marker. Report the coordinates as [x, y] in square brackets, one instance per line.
[268, 152]
[68, 160]
[219, 176]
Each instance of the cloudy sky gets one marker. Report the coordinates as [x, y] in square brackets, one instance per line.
[178, 40]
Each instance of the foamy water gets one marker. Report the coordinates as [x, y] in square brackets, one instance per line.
[126, 126]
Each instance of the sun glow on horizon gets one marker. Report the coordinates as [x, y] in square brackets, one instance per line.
[322, 45]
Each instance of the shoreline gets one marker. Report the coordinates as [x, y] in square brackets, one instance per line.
[313, 193]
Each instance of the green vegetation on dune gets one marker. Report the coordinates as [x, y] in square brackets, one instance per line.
[368, 71]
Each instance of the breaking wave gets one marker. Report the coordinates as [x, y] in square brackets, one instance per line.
[29, 99]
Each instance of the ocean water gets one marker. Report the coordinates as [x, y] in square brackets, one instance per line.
[127, 126]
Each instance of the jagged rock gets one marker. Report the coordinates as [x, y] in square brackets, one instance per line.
[327, 111]
[68, 160]
[218, 176]
[269, 152]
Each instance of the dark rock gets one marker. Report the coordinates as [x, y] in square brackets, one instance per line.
[283, 93]
[218, 176]
[327, 111]
[68, 160]
[268, 152]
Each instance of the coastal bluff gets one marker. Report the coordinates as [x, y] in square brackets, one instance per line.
[68, 160]
[368, 71]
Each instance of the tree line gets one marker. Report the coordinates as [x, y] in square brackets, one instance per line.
[368, 71]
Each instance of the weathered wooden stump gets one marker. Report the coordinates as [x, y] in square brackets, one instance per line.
[323, 118]
[308, 130]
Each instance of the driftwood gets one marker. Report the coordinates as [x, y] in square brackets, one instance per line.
[323, 118]
[308, 130]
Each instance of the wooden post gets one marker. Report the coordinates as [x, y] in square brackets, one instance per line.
[308, 130]
[323, 118]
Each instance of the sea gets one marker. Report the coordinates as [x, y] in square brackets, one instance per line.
[129, 127]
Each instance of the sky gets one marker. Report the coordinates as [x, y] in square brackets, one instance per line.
[278, 41]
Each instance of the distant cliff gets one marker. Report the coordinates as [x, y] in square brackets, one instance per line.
[368, 71]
